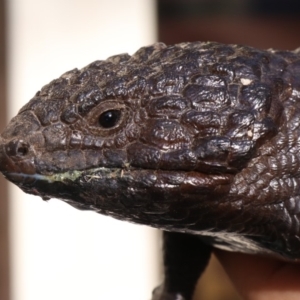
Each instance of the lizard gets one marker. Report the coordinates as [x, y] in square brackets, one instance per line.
[198, 139]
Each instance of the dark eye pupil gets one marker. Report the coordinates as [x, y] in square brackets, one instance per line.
[109, 118]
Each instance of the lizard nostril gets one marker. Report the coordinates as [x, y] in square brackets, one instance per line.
[17, 148]
[22, 150]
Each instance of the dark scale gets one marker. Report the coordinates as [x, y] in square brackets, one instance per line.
[198, 139]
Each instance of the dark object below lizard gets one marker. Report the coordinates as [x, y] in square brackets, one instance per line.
[198, 139]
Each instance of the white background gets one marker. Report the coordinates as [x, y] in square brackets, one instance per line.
[58, 252]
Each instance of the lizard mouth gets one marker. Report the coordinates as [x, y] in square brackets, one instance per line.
[99, 172]
[121, 183]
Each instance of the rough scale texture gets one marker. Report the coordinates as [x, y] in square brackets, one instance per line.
[199, 138]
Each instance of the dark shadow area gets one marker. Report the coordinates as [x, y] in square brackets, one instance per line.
[258, 23]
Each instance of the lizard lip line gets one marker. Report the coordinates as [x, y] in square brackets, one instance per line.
[95, 173]
[63, 176]
[72, 175]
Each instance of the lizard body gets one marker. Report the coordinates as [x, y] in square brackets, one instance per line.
[197, 139]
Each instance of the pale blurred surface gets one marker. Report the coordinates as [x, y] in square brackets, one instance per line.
[4, 250]
[58, 252]
[214, 284]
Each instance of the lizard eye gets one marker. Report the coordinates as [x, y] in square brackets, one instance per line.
[109, 118]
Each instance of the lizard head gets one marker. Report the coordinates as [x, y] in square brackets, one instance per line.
[166, 125]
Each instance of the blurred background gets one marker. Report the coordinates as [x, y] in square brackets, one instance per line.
[49, 250]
